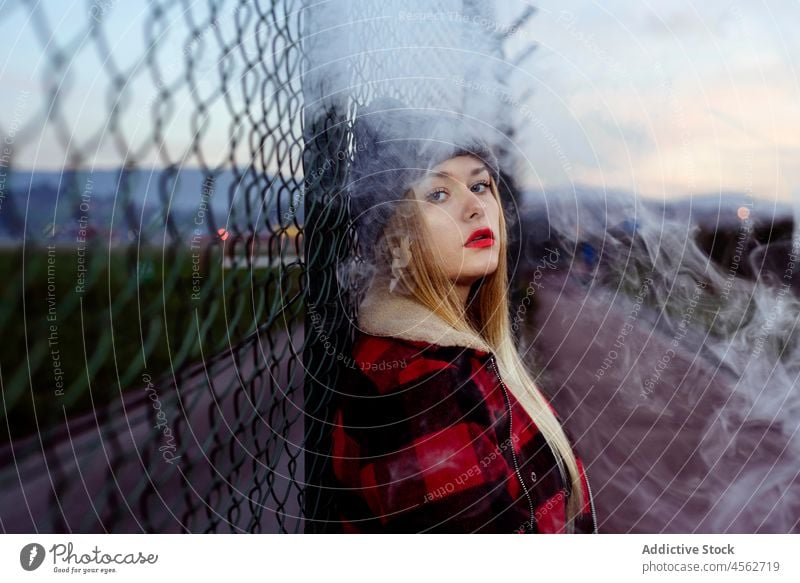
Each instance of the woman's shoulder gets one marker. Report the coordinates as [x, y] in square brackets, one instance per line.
[367, 345]
[391, 361]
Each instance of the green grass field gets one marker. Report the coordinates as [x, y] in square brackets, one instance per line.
[109, 317]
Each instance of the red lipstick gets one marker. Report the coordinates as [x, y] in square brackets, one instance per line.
[480, 238]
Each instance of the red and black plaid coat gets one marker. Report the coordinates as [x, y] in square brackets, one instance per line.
[427, 438]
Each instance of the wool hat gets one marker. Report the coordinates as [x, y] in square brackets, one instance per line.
[396, 145]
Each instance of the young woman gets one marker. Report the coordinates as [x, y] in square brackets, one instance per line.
[438, 424]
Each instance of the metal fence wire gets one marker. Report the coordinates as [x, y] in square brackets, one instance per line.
[172, 212]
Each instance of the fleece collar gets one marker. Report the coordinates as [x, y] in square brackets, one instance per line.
[385, 313]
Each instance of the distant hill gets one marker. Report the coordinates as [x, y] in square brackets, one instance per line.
[705, 209]
[118, 205]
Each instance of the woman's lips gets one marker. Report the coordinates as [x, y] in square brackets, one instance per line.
[487, 242]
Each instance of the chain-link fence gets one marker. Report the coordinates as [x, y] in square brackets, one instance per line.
[171, 210]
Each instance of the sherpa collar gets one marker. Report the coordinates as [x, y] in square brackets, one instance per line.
[384, 313]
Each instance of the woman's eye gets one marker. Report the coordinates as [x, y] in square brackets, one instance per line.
[479, 184]
[432, 195]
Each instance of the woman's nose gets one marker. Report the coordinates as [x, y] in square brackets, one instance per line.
[473, 205]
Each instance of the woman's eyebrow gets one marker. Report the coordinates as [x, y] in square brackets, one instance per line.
[474, 172]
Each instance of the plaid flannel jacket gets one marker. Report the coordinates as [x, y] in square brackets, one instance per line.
[427, 437]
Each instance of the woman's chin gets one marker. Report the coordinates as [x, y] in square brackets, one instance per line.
[470, 276]
[484, 268]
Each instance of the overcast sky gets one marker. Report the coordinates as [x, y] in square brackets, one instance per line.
[666, 98]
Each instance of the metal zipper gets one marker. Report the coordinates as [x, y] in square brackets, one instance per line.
[511, 439]
[516, 464]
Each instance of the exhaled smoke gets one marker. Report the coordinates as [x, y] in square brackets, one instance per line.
[680, 370]
[441, 61]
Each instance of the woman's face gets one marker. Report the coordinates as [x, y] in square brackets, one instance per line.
[457, 201]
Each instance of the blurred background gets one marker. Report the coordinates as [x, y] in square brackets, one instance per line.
[173, 212]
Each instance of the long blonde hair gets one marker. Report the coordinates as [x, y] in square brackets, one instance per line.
[487, 316]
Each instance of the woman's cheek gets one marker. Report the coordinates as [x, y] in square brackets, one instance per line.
[444, 233]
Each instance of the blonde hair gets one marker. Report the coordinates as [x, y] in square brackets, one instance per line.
[487, 316]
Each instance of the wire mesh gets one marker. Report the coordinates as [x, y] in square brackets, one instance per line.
[171, 218]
